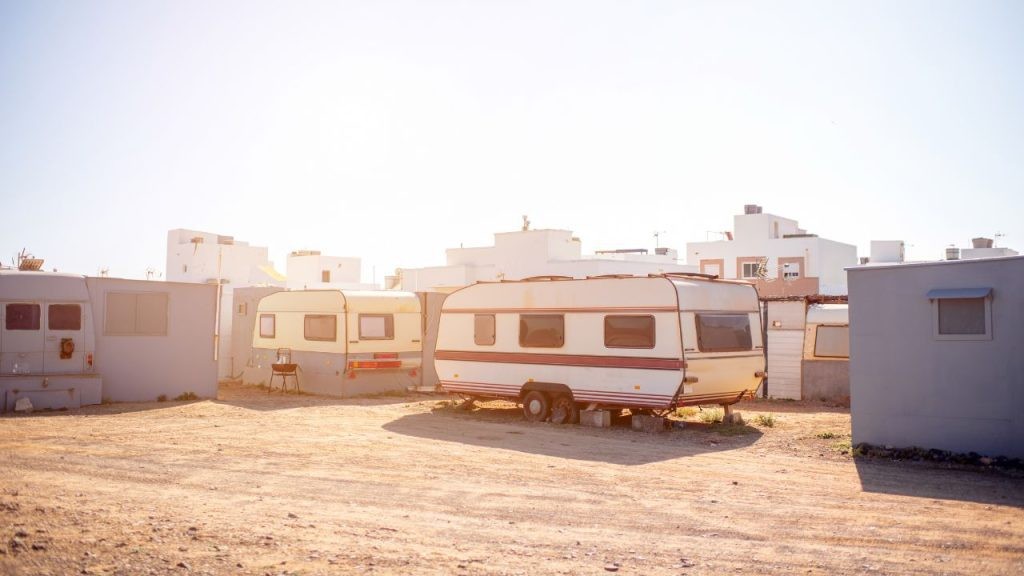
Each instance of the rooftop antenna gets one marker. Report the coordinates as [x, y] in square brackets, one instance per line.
[526, 223]
[999, 235]
[657, 235]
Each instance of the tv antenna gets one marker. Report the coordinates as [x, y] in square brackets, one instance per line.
[526, 223]
[657, 236]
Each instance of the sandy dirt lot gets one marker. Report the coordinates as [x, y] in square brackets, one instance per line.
[259, 484]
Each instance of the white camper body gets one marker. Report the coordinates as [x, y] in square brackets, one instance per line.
[345, 342]
[655, 342]
[47, 341]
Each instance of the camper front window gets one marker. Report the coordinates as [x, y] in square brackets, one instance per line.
[64, 317]
[832, 341]
[22, 317]
[320, 327]
[376, 327]
[541, 330]
[723, 332]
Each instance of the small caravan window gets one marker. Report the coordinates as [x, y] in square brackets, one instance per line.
[723, 332]
[136, 314]
[541, 330]
[64, 317]
[832, 341]
[376, 327]
[268, 326]
[321, 327]
[629, 331]
[483, 329]
[22, 317]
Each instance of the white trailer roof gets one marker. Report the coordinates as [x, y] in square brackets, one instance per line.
[338, 301]
[828, 314]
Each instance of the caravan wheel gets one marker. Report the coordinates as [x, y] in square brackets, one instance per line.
[564, 410]
[536, 406]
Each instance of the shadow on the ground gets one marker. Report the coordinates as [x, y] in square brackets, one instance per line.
[504, 429]
[938, 482]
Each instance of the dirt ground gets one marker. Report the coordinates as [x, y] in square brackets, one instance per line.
[253, 483]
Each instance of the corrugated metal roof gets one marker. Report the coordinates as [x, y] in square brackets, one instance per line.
[959, 293]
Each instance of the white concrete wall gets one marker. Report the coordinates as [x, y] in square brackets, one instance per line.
[834, 259]
[141, 368]
[305, 272]
[909, 389]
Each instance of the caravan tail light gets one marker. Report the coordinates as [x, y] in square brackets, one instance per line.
[88, 360]
[356, 364]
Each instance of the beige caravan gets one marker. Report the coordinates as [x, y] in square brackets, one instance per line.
[345, 342]
[558, 344]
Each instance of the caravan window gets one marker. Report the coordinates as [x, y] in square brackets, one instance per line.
[320, 327]
[22, 317]
[723, 332]
[832, 341]
[268, 326]
[483, 329]
[376, 327]
[629, 331]
[541, 330]
[64, 317]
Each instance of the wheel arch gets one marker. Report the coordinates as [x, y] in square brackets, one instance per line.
[549, 388]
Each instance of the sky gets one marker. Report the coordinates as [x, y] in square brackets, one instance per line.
[391, 130]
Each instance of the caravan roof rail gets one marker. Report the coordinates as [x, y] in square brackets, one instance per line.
[688, 275]
[598, 276]
[547, 278]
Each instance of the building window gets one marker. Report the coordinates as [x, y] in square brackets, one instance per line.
[22, 317]
[723, 332]
[790, 270]
[483, 329]
[832, 341]
[376, 327]
[962, 314]
[629, 331]
[753, 269]
[712, 269]
[325, 276]
[136, 314]
[268, 326]
[320, 327]
[541, 330]
[64, 317]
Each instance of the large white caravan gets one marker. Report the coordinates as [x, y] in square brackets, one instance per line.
[345, 342]
[557, 344]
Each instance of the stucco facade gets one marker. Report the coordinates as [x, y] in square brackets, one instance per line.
[521, 254]
[935, 355]
[781, 258]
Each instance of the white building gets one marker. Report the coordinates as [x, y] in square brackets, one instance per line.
[207, 258]
[775, 253]
[310, 270]
[526, 253]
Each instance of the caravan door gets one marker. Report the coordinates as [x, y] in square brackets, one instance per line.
[64, 341]
[21, 338]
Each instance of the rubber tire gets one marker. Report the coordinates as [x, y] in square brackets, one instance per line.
[564, 410]
[536, 406]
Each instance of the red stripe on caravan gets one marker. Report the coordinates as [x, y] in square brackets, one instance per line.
[580, 310]
[562, 359]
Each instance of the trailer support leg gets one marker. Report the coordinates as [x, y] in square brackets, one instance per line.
[728, 416]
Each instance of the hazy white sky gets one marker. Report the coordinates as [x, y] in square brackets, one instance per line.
[393, 130]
